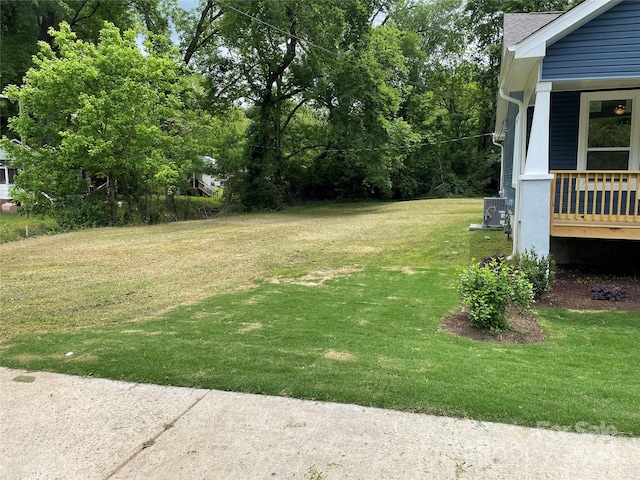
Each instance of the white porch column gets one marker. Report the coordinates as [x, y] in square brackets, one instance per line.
[535, 182]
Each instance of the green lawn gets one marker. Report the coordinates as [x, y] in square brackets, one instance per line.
[364, 327]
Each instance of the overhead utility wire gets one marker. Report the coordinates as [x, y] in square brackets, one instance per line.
[277, 28]
[301, 39]
[401, 147]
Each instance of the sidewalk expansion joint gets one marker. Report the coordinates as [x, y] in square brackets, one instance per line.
[152, 440]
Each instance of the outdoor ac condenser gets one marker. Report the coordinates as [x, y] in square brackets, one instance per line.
[495, 212]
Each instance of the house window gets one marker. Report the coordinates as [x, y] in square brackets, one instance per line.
[7, 175]
[609, 137]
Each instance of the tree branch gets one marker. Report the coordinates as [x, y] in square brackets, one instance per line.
[292, 113]
[206, 20]
[290, 54]
[302, 149]
[75, 17]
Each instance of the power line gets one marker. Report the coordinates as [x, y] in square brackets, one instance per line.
[277, 28]
[400, 147]
[301, 39]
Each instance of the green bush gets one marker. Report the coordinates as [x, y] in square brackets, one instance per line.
[77, 213]
[540, 271]
[488, 290]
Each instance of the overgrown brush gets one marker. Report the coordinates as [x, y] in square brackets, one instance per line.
[19, 228]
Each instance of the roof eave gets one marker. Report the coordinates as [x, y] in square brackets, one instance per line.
[536, 44]
[518, 60]
[515, 76]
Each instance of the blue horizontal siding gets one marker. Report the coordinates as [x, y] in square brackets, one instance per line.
[606, 47]
[563, 130]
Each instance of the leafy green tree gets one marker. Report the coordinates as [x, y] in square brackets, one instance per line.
[106, 114]
[455, 85]
[25, 22]
[285, 51]
[361, 94]
[226, 135]
[442, 105]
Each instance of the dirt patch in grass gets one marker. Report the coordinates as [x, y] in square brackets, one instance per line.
[248, 327]
[335, 355]
[405, 270]
[524, 328]
[316, 279]
[321, 276]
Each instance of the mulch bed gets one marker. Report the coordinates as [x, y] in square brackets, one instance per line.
[525, 329]
[572, 290]
[573, 287]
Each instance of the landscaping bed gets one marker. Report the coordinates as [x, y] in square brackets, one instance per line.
[574, 289]
[574, 286]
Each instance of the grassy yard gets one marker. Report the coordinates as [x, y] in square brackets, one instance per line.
[335, 302]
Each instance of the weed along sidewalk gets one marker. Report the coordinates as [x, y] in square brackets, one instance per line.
[59, 426]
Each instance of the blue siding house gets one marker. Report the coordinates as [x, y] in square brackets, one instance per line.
[569, 115]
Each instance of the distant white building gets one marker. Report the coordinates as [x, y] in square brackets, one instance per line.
[7, 176]
[206, 184]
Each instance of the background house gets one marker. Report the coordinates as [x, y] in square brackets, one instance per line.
[569, 115]
[7, 175]
[206, 183]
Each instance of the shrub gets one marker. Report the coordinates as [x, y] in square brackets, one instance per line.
[76, 213]
[540, 271]
[488, 290]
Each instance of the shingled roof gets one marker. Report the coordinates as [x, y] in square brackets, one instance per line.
[518, 26]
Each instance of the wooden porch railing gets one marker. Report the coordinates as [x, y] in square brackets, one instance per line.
[595, 204]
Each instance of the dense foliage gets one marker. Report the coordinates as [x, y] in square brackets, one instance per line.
[107, 124]
[297, 100]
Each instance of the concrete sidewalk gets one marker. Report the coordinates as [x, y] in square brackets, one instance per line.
[63, 427]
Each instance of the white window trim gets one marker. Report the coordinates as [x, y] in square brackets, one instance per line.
[585, 99]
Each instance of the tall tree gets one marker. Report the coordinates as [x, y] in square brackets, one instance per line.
[25, 22]
[290, 54]
[361, 93]
[443, 103]
[102, 113]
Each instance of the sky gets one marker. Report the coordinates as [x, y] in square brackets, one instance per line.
[185, 5]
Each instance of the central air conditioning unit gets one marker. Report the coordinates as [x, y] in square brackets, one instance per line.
[495, 212]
